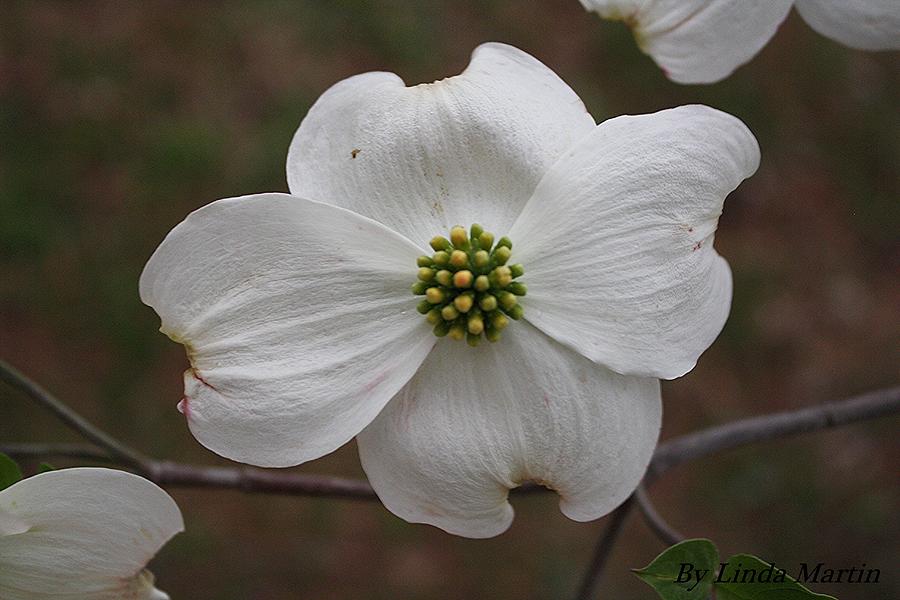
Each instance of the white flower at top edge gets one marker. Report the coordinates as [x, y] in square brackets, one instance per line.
[85, 533]
[704, 41]
[302, 333]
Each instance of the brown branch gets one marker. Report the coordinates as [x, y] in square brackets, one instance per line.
[654, 520]
[668, 455]
[871, 405]
[248, 479]
[116, 449]
[75, 451]
[603, 549]
[732, 435]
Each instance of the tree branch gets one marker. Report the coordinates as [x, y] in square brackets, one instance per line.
[116, 449]
[248, 479]
[732, 435]
[654, 520]
[603, 549]
[76, 451]
[668, 455]
[764, 428]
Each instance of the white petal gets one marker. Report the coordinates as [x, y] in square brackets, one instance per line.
[697, 41]
[298, 321]
[10, 524]
[617, 241]
[90, 534]
[421, 159]
[863, 24]
[474, 423]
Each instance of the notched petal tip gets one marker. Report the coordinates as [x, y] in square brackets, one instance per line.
[483, 525]
[449, 448]
[184, 407]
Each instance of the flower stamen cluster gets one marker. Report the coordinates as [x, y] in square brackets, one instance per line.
[469, 289]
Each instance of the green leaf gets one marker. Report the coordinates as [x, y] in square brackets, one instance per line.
[683, 572]
[768, 582]
[9, 472]
[44, 467]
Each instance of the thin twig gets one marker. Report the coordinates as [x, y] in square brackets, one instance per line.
[688, 447]
[654, 520]
[76, 451]
[668, 455]
[603, 548]
[116, 449]
[171, 474]
[740, 433]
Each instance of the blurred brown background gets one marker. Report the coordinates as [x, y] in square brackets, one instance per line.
[118, 118]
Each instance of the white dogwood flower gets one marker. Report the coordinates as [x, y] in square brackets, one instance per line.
[704, 41]
[84, 533]
[302, 333]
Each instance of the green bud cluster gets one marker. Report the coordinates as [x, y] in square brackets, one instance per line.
[469, 289]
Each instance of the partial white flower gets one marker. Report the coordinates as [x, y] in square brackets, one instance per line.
[863, 24]
[301, 331]
[84, 533]
[704, 41]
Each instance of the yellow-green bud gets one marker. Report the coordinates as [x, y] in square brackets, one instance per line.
[459, 259]
[457, 331]
[488, 303]
[492, 334]
[475, 324]
[505, 242]
[449, 312]
[499, 321]
[441, 258]
[481, 259]
[444, 277]
[463, 303]
[517, 270]
[519, 289]
[419, 287]
[423, 307]
[475, 231]
[507, 300]
[501, 255]
[458, 237]
[482, 283]
[472, 339]
[515, 312]
[433, 316]
[463, 279]
[502, 276]
[426, 274]
[441, 329]
[435, 295]
[486, 240]
[424, 261]
[439, 242]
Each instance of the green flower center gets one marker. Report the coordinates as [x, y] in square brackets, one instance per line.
[469, 289]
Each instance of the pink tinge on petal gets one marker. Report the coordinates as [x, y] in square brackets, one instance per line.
[183, 407]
